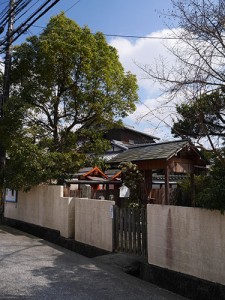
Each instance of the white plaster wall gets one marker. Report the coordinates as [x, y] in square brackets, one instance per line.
[44, 206]
[93, 222]
[187, 240]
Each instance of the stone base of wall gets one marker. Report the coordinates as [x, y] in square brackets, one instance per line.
[50, 235]
[53, 236]
[185, 285]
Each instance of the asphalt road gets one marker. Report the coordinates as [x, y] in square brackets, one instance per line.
[31, 268]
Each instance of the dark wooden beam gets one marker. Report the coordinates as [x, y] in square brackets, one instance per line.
[148, 182]
[192, 179]
[167, 186]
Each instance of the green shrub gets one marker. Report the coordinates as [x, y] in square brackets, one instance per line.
[209, 189]
[133, 179]
[212, 195]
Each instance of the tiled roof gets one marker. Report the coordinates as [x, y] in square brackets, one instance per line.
[112, 172]
[109, 156]
[131, 128]
[150, 151]
[119, 144]
[83, 171]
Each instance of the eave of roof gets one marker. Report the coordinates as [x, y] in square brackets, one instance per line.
[88, 171]
[95, 169]
[92, 182]
[119, 144]
[150, 151]
[140, 132]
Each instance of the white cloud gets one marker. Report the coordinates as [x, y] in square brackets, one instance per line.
[151, 115]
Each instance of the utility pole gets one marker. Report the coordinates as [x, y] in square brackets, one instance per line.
[15, 8]
[6, 76]
[5, 94]
[11, 36]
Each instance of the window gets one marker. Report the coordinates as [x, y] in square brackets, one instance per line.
[10, 195]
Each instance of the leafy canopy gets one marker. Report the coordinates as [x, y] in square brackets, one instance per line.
[209, 189]
[201, 117]
[213, 192]
[67, 88]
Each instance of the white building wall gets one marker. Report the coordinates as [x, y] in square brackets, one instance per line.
[45, 206]
[187, 240]
[93, 222]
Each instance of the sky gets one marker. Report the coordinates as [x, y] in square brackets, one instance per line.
[127, 18]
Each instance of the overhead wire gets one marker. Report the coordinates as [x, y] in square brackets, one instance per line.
[28, 25]
[124, 36]
[128, 36]
[142, 37]
[4, 15]
[24, 26]
[17, 8]
[72, 6]
[11, 14]
[26, 11]
[120, 35]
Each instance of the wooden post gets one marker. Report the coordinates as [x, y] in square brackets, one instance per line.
[192, 178]
[107, 191]
[148, 182]
[167, 186]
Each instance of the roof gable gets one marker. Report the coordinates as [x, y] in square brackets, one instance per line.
[131, 129]
[95, 172]
[152, 151]
[129, 135]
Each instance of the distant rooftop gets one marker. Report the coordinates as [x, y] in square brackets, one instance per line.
[131, 128]
[150, 151]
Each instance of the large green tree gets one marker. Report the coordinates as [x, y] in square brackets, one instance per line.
[67, 88]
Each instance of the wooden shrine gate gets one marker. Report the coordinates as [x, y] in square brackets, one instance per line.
[130, 230]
